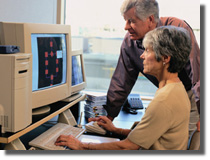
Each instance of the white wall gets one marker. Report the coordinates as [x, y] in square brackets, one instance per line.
[32, 11]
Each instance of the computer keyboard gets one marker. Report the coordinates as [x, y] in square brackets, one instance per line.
[93, 127]
[47, 139]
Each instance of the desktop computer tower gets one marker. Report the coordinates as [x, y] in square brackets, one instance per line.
[15, 91]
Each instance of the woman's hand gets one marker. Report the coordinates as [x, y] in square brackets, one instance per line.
[106, 123]
[93, 119]
[97, 118]
[69, 141]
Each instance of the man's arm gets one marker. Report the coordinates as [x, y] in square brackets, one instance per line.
[195, 65]
[123, 79]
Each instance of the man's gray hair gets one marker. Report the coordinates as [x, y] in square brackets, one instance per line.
[170, 41]
[143, 8]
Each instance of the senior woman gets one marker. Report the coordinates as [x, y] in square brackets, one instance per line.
[164, 125]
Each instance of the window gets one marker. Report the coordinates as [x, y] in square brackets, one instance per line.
[98, 29]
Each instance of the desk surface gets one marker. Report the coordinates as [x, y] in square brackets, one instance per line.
[124, 119]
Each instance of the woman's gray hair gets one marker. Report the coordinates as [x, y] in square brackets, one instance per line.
[144, 8]
[170, 41]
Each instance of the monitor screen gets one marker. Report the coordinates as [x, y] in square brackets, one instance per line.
[77, 74]
[49, 60]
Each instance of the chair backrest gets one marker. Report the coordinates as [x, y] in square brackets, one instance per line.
[194, 141]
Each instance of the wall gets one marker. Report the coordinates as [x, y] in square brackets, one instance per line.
[32, 11]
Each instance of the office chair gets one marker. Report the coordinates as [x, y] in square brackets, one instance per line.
[194, 141]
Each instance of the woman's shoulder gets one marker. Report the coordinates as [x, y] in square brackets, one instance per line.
[169, 91]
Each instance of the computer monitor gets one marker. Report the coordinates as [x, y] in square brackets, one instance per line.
[78, 81]
[50, 45]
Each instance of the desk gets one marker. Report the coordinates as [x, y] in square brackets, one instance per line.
[124, 119]
[56, 109]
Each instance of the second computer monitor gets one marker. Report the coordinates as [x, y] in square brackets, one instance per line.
[78, 81]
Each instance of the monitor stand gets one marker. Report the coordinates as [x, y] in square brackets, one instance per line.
[67, 117]
[41, 111]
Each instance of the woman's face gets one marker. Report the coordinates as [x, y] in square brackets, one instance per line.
[151, 65]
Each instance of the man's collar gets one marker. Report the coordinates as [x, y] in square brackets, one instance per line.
[139, 41]
[139, 44]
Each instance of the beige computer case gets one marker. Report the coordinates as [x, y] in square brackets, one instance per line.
[15, 91]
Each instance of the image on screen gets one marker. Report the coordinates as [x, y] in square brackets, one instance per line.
[49, 60]
[77, 76]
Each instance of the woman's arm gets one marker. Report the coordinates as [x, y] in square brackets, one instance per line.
[107, 124]
[120, 145]
[75, 144]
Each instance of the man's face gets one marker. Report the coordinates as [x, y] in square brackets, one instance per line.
[136, 27]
